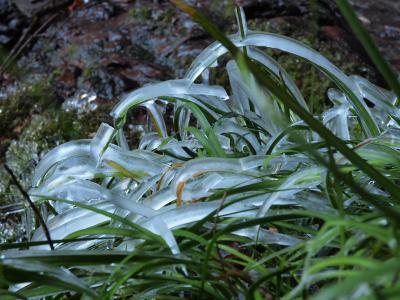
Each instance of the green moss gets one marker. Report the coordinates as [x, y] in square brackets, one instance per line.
[42, 133]
[167, 16]
[15, 111]
[138, 52]
[227, 7]
[140, 13]
[21, 137]
[89, 71]
[11, 231]
[71, 51]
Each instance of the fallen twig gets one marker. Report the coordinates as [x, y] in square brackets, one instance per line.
[32, 205]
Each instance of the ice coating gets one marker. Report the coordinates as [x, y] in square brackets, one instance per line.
[204, 165]
[99, 143]
[239, 96]
[279, 42]
[73, 220]
[166, 88]
[157, 118]
[279, 72]
[291, 187]
[268, 237]
[60, 274]
[69, 149]
[171, 181]
[338, 115]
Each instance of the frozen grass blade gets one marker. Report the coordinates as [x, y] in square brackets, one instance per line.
[286, 98]
[23, 271]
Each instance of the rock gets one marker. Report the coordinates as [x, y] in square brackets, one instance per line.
[101, 11]
[268, 8]
[11, 23]
[334, 33]
[31, 8]
[4, 39]
[5, 7]
[383, 25]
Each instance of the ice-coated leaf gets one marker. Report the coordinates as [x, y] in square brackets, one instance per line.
[28, 270]
[64, 151]
[137, 175]
[200, 166]
[175, 217]
[76, 190]
[133, 161]
[176, 146]
[159, 227]
[144, 187]
[242, 133]
[295, 183]
[72, 220]
[382, 99]
[262, 99]
[179, 87]
[150, 141]
[239, 96]
[268, 237]
[160, 199]
[375, 94]
[157, 118]
[75, 167]
[275, 41]
[101, 140]
[278, 71]
[336, 118]
[121, 139]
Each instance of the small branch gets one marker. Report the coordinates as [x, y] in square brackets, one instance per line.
[32, 205]
[25, 40]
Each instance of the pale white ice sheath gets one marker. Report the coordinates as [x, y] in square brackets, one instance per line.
[162, 185]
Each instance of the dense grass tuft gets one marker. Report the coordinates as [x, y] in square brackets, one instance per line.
[247, 195]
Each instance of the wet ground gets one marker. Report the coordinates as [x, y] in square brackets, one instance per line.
[63, 69]
[382, 19]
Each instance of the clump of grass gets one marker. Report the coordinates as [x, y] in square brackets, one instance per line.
[248, 195]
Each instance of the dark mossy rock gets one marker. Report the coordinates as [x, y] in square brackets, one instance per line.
[11, 23]
[31, 8]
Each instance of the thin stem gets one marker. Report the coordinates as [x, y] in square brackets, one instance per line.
[32, 205]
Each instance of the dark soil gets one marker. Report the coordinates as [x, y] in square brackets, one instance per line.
[382, 19]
